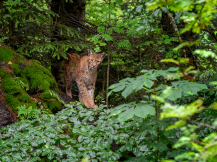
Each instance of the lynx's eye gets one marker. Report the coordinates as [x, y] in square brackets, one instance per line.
[91, 60]
[98, 61]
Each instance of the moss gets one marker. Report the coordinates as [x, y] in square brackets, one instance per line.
[54, 106]
[12, 101]
[6, 54]
[3, 73]
[18, 59]
[23, 78]
[38, 78]
[10, 86]
[16, 69]
[18, 100]
[15, 96]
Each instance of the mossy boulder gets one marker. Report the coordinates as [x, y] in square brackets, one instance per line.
[26, 82]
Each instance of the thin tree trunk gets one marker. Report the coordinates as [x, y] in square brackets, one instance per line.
[108, 66]
[108, 72]
[172, 21]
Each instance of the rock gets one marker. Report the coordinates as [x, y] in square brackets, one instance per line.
[6, 117]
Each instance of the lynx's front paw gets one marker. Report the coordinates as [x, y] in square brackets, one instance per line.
[95, 106]
[88, 105]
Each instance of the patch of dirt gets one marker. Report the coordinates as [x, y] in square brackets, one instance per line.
[8, 70]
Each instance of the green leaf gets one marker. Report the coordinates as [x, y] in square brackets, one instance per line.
[120, 108]
[139, 8]
[175, 94]
[109, 93]
[165, 36]
[102, 44]
[143, 110]
[156, 12]
[127, 91]
[128, 114]
[205, 53]
[179, 123]
[138, 84]
[119, 88]
[148, 83]
[197, 147]
[182, 141]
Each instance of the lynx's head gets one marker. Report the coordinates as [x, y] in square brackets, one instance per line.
[94, 60]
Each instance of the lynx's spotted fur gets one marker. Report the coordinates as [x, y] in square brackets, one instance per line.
[83, 71]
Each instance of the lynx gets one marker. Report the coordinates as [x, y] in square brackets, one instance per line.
[83, 71]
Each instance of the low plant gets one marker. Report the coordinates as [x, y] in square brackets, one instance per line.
[28, 113]
[70, 135]
[201, 147]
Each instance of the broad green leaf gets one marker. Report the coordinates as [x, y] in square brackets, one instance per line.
[151, 77]
[119, 88]
[120, 108]
[116, 85]
[175, 94]
[156, 12]
[148, 83]
[139, 8]
[173, 69]
[143, 110]
[127, 91]
[138, 84]
[128, 114]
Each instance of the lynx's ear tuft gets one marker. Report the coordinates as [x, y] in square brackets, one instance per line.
[90, 52]
[103, 56]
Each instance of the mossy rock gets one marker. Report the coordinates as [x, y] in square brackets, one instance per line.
[22, 79]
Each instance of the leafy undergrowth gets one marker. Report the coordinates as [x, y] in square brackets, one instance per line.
[74, 133]
[22, 79]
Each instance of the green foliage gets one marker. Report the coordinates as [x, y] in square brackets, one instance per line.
[71, 134]
[200, 145]
[147, 81]
[32, 22]
[201, 149]
[136, 34]
[6, 54]
[27, 113]
[197, 20]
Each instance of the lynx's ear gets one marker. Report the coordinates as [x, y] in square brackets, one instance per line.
[103, 56]
[90, 52]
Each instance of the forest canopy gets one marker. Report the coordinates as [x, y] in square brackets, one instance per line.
[156, 88]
